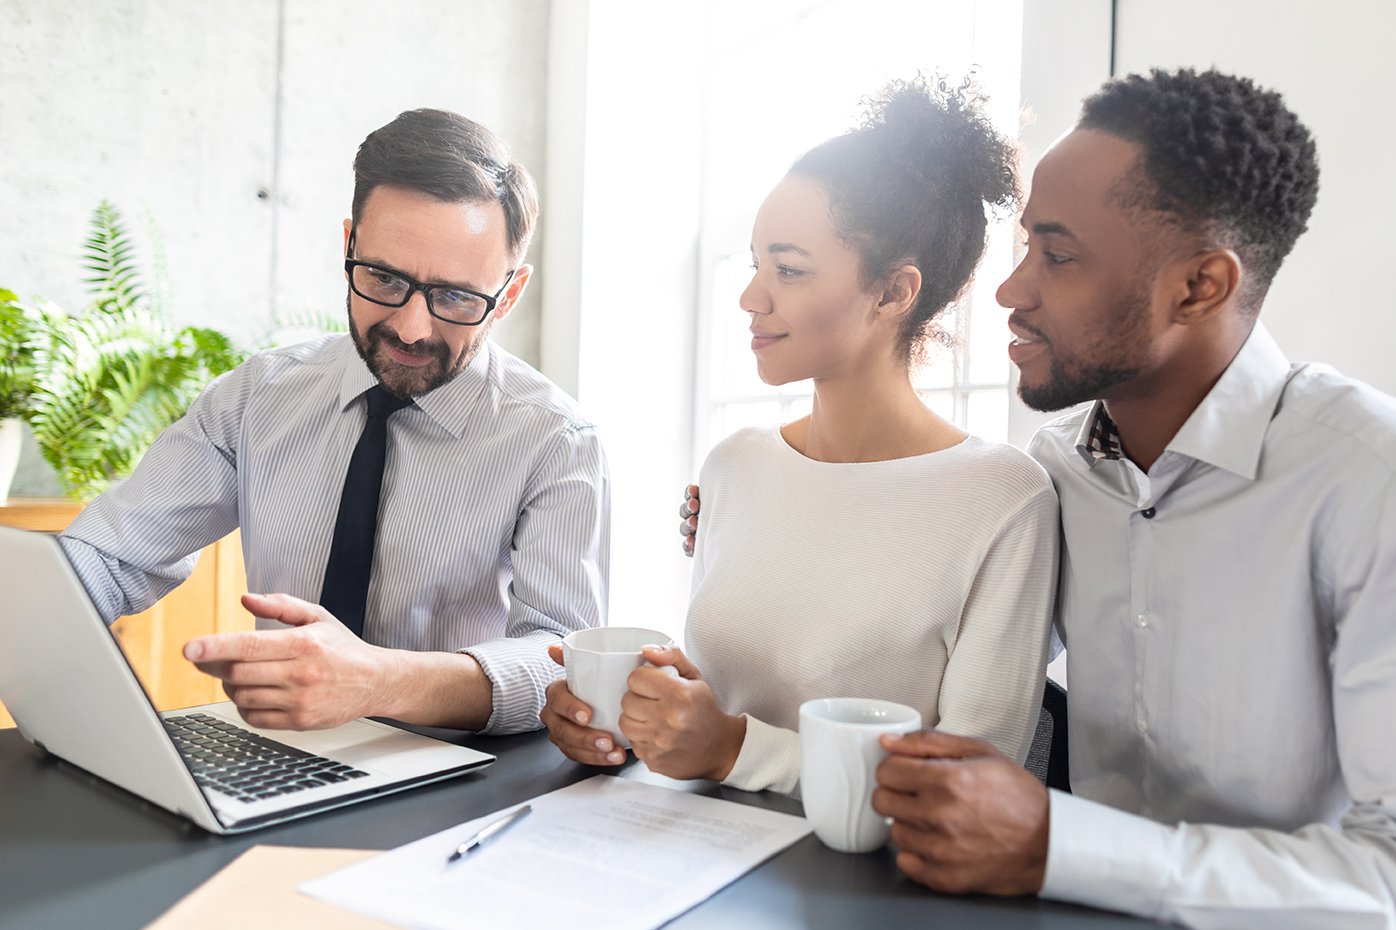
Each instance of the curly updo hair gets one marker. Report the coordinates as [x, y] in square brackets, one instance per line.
[1221, 157]
[909, 185]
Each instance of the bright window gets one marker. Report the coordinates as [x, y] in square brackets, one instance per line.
[769, 98]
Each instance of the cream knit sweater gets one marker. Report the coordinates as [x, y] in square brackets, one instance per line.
[927, 580]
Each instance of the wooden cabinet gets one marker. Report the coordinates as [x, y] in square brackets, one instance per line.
[207, 602]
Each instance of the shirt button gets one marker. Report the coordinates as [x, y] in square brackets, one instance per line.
[1141, 725]
[1148, 514]
[1142, 620]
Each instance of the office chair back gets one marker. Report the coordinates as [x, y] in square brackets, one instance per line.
[1047, 756]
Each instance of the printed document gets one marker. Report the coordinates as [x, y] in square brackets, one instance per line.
[606, 852]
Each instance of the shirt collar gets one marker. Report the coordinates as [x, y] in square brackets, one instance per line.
[356, 378]
[1100, 436]
[1097, 439]
[449, 406]
[1228, 428]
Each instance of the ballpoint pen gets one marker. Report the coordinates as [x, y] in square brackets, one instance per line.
[488, 830]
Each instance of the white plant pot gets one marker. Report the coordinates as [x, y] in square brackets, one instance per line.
[11, 432]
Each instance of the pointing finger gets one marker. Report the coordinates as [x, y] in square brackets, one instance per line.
[254, 646]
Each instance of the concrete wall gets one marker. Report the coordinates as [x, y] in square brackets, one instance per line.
[231, 128]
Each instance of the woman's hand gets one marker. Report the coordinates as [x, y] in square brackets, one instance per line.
[566, 719]
[674, 723]
[688, 519]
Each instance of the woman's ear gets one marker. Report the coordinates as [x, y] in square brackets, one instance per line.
[899, 292]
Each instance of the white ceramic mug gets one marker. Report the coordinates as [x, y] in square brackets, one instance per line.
[599, 661]
[839, 755]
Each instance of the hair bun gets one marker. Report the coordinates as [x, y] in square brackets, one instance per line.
[910, 183]
[938, 133]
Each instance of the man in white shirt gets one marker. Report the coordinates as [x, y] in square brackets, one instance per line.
[431, 510]
[1229, 548]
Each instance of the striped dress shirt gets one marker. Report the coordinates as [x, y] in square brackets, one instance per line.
[494, 519]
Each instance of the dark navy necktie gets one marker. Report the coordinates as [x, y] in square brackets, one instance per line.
[345, 591]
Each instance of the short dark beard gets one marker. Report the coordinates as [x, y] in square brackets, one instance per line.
[1093, 380]
[1067, 390]
[404, 381]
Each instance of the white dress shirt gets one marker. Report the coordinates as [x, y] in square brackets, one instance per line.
[927, 580]
[1230, 624]
[493, 528]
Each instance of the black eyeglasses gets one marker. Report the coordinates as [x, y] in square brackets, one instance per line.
[449, 303]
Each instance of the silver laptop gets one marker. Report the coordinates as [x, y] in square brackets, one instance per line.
[65, 680]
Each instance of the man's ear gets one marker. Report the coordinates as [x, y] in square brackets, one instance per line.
[1213, 281]
[511, 295]
[348, 228]
[899, 293]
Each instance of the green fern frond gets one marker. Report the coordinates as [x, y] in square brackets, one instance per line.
[109, 380]
[109, 255]
[210, 348]
[64, 424]
[19, 329]
[117, 379]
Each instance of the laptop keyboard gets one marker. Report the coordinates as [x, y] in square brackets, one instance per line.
[246, 765]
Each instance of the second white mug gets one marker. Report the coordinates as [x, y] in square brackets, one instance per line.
[839, 755]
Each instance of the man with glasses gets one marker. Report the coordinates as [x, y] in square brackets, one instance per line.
[431, 511]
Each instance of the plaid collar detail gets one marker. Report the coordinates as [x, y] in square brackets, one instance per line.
[1104, 442]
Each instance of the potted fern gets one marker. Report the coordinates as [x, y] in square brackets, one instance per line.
[104, 382]
[17, 331]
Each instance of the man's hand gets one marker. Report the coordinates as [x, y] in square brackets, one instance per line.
[314, 676]
[965, 818]
[674, 724]
[688, 519]
[566, 719]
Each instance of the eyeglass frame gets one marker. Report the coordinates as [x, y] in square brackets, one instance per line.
[413, 286]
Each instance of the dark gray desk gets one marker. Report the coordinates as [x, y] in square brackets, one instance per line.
[76, 853]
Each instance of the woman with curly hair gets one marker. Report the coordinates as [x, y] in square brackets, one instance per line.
[870, 549]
